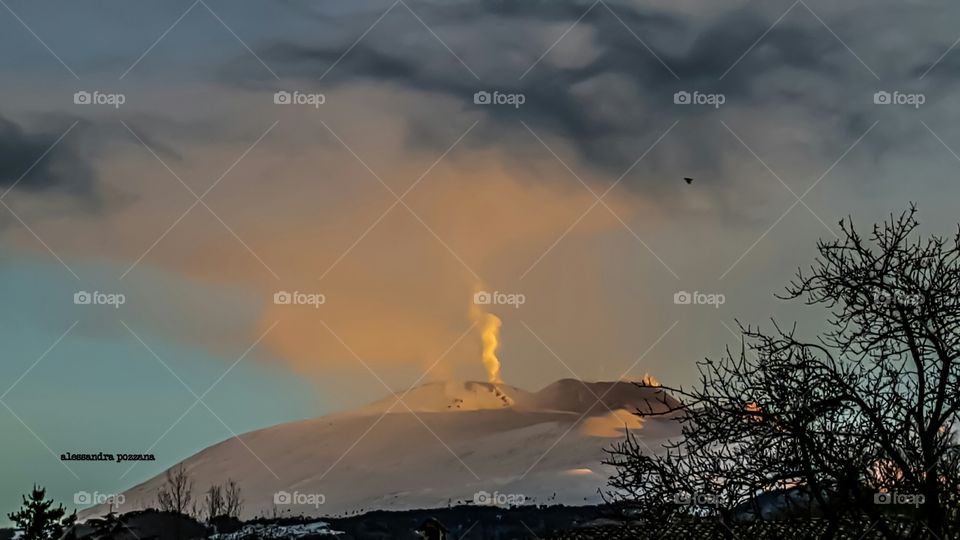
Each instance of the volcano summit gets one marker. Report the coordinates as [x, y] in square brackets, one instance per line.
[437, 444]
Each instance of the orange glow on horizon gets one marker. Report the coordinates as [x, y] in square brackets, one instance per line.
[754, 407]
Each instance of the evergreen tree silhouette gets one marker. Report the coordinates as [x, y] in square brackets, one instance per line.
[37, 519]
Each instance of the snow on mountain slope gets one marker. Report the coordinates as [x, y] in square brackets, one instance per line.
[462, 442]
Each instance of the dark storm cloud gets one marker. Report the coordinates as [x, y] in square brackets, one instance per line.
[611, 106]
[64, 169]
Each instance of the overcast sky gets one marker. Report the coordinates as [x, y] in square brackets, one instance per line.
[434, 149]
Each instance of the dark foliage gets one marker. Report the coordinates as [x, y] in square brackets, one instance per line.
[37, 519]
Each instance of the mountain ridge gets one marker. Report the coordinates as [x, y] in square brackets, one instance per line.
[457, 441]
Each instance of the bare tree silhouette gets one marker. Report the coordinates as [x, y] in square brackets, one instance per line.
[177, 492]
[233, 501]
[858, 423]
[213, 503]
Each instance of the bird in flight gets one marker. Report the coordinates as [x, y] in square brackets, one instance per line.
[688, 180]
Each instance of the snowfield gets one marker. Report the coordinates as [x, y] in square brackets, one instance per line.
[279, 532]
[458, 442]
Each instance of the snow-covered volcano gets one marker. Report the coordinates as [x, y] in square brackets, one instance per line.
[447, 442]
